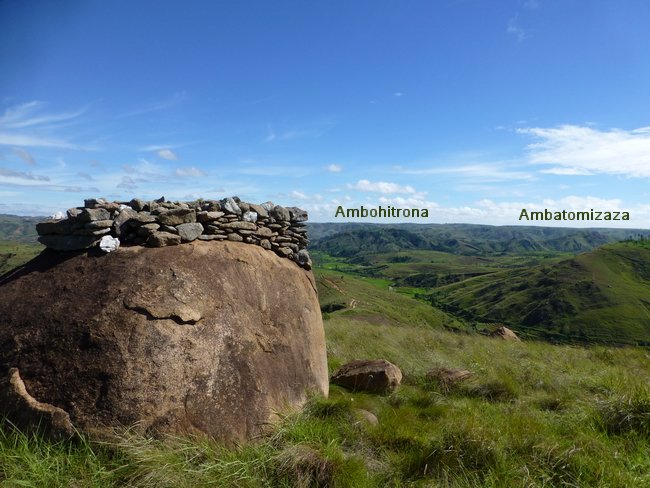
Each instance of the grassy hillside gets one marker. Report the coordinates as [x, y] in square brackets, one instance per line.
[600, 296]
[18, 229]
[533, 414]
[13, 254]
[347, 240]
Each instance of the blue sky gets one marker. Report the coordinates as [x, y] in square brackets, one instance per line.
[469, 108]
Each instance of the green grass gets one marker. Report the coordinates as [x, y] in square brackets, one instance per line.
[14, 254]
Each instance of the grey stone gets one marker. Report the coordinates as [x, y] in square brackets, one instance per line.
[147, 229]
[203, 237]
[214, 229]
[74, 212]
[189, 232]
[239, 225]
[250, 217]
[137, 204]
[99, 224]
[229, 205]
[266, 244]
[94, 202]
[142, 218]
[90, 214]
[259, 210]
[291, 246]
[208, 216]
[177, 216]
[303, 259]
[169, 228]
[235, 237]
[280, 213]
[212, 206]
[67, 243]
[120, 221]
[162, 239]
[57, 227]
[244, 206]
[284, 251]
[268, 206]
[297, 214]
[264, 232]
[91, 232]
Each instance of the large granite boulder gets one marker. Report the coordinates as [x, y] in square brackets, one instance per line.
[210, 337]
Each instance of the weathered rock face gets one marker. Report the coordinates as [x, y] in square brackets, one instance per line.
[208, 336]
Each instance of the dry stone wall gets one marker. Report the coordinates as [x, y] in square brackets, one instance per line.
[159, 223]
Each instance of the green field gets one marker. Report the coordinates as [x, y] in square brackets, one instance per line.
[13, 254]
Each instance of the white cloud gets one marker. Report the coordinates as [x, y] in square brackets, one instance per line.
[19, 126]
[334, 168]
[485, 172]
[380, 187]
[398, 94]
[514, 29]
[167, 154]
[191, 172]
[299, 195]
[571, 149]
[28, 140]
[17, 119]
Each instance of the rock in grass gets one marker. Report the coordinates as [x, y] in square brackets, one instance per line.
[372, 375]
[505, 334]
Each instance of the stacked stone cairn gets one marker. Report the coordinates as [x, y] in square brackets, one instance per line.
[160, 223]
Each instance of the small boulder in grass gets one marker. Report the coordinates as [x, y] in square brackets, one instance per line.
[505, 334]
[371, 375]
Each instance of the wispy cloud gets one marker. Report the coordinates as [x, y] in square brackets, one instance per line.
[380, 187]
[25, 156]
[24, 126]
[579, 150]
[334, 168]
[22, 116]
[27, 140]
[8, 173]
[175, 99]
[517, 31]
[192, 172]
[485, 172]
[167, 154]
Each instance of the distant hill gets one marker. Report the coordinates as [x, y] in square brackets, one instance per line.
[599, 296]
[350, 239]
[19, 229]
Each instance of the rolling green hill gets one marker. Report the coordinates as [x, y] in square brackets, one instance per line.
[347, 240]
[600, 296]
[19, 229]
